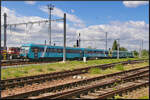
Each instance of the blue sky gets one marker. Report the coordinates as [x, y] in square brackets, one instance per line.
[97, 12]
[127, 20]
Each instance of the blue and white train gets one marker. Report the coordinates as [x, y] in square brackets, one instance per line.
[38, 51]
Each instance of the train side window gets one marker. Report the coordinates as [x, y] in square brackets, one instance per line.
[55, 50]
[67, 51]
[51, 50]
[59, 50]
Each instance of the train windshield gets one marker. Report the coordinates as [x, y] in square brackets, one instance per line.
[24, 49]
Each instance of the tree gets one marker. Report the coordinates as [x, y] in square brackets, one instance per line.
[89, 47]
[123, 49]
[145, 52]
[135, 53]
[74, 46]
[114, 47]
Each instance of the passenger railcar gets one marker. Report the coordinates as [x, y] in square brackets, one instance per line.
[13, 52]
[36, 51]
[122, 54]
[98, 53]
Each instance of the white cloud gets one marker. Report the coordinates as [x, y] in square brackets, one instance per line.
[60, 13]
[37, 34]
[30, 2]
[134, 4]
[130, 34]
[72, 11]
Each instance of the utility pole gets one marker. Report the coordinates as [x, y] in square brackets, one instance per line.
[45, 42]
[142, 44]
[140, 51]
[50, 7]
[106, 40]
[5, 26]
[5, 37]
[64, 49]
[118, 49]
[79, 40]
[141, 48]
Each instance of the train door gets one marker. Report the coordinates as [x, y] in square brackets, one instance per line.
[36, 53]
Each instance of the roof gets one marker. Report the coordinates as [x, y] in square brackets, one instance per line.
[43, 45]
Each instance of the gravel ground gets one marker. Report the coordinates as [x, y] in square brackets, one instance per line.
[47, 84]
[136, 94]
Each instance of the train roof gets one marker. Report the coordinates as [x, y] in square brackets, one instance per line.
[121, 51]
[42, 45]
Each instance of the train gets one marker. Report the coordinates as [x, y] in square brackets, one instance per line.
[13, 52]
[39, 51]
[10, 53]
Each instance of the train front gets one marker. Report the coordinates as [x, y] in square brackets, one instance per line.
[24, 51]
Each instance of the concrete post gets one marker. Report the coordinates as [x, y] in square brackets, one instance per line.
[64, 49]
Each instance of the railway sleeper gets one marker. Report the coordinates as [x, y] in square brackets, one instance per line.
[125, 92]
[37, 76]
[88, 90]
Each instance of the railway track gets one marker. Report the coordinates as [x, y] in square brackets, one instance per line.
[102, 90]
[22, 62]
[10, 83]
[90, 93]
[81, 86]
[5, 63]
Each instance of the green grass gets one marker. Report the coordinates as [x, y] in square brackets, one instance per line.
[144, 97]
[53, 67]
[119, 67]
[40, 70]
[50, 69]
[117, 97]
[95, 71]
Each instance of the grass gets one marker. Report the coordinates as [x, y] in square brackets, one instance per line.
[119, 67]
[144, 97]
[53, 67]
[40, 70]
[50, 69]
[95, 71]
[117, 97]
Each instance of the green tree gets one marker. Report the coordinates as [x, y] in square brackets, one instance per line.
[135, 53]
[74, 46]
[145, 52]
[123, 49]
[89, 47]
[114, 47]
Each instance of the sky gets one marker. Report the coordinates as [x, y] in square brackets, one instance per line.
[124, 20]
